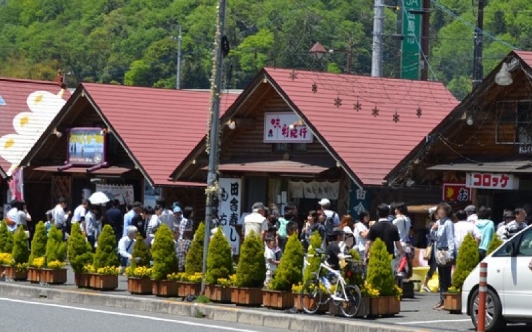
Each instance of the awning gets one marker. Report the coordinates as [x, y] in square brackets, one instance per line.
[511, 166]
[113, 170]
[185, 184]
[277, 166]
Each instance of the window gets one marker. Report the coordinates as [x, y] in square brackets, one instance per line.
[300, 147]
[280, 147]
[514, 122]
[525, 247]
[289, 147]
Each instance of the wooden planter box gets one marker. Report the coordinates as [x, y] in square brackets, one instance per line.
[363, 311]
[164, 288]
[181, 288]
[103, 282]
[140, 286]
[54, 276]
[384, 306]
[191, 288]
[82, 280]
[277, 299]
[452, 302]
[217, 293]
[34, 275]
[2, 269]
[297, 304]
[12, 273]
[246, 296]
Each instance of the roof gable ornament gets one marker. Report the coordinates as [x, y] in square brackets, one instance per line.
[293, 75]
[314, 87]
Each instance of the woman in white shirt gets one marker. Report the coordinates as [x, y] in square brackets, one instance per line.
[361, 229]
[155, 221]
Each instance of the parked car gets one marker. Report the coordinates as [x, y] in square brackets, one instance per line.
[509, 285]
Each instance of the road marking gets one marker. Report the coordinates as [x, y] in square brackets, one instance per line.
[434, 321]
[128, 315]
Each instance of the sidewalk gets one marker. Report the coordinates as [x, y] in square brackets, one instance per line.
[229, 313]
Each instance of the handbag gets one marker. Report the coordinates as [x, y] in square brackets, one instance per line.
[428, 252]
[443, 257]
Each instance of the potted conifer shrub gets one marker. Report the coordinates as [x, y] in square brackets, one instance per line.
[278, 294]
[79, 255]
[194, 263]
[6, 246]
[381, 279]
[164, 263]
[466, 261]
[54, 272]
[20, 255]
[106, 270]
[495, 243]
[219, 268]
[139, 273]
[250, 273]
[38, 250]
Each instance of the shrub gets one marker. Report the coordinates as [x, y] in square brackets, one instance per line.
[219, 260]
[163, 253]
[20, 252]
[494, 244]
[106, 254]
[290, 268]
[466, 261]
[380, 274]
[55, 246]
[194, 260]
[79, 250]
[6, 238]
[251, 270]
[313, 262]
[141, 254]
[38, 244]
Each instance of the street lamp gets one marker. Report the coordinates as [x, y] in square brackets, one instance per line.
[317, 52]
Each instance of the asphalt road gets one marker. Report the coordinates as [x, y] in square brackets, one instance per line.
[41, 315]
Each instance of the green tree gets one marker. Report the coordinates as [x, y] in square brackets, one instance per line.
[495, 243]
[163, 253]
[194, 260]
[313, 262]
[219, 260]
[106, 254]
[141, 253]
[380, 274]
[79, 250]
[55, 246]
[6, 238]
[251, 270]
[467, 260]
[38, 243]
[290, 268]
[20, 252]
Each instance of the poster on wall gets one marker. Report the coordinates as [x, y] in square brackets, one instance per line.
[86, 146]
[125, 194]
[229, 209]
[279, 128]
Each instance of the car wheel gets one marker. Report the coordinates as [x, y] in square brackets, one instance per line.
[494, 320]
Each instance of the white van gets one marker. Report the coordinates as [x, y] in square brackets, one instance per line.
[509, 285]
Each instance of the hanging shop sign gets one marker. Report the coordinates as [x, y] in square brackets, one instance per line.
[492, 181]
[285, 128]
[359, 200]
[86, 146]
[230, 202]
[125, 194]
[456, 192]
[314, 189]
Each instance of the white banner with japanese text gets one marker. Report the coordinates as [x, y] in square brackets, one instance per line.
[229, 209]
[123, 193]
[285, 128]
[314, 189]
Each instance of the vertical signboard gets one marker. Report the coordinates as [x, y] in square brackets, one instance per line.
[359, 200]
[411, 45]
[229, 209]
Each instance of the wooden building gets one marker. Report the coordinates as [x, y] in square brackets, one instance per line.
[481, 152]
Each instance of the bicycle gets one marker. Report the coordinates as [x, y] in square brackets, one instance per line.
[346, 297]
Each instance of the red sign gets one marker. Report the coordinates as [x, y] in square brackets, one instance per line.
[492, 181]
[456, 192]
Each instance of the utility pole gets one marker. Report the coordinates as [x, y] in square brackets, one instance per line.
[378, 23]
[178, 74]
[478, 71]
[425, 38]
[350, 55]
[212, 183]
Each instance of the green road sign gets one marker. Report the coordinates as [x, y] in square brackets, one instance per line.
[410, 48]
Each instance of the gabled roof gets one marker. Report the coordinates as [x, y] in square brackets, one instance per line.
[368, 123]
[26, 109]
[157, 127]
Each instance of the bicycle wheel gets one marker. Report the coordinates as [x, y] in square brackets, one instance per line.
[350, 307]
[311, 295]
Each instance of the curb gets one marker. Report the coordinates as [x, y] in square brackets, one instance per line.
[289, 322]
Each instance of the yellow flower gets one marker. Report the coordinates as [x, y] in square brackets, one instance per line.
[195, 278]
[6, 259]
[224, 282]
[38, 262]
[21, 267]
[109, 270]
[141, 272]
[89, 268]
[297, 288]
[56, 264]
[232, 278]
[368, 291]
[181, 276]
[453, 290]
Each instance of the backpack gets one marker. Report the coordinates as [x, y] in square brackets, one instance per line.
[329, 227]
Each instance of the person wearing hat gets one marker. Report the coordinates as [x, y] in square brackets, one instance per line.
[471, 211]
[256, 221]
[334, 250]
[507, 217]
[326, 208]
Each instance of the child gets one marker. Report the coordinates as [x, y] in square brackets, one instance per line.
[271, 260]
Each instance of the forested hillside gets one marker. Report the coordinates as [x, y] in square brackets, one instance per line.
[133, 41]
